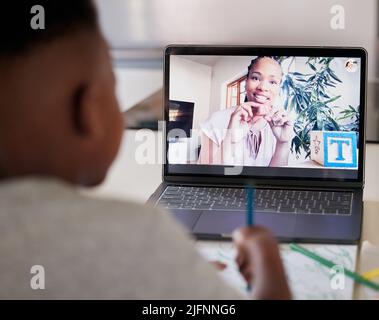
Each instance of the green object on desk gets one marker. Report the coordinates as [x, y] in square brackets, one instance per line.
[355, 276]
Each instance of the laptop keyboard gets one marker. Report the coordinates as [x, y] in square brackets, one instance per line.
[266, 200]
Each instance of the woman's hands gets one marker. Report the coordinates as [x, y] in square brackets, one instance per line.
[249, 113]
[244, 117]
[244, 114]
[255, 115]
[260, 264]
[281, 125]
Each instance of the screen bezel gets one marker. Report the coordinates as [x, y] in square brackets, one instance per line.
[265, 51]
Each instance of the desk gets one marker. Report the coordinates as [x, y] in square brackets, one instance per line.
[129, 180]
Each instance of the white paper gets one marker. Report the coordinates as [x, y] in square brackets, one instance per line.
[307, 278]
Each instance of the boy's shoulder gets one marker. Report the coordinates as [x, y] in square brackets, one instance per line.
[47, 200]
[95, 248]
[44, 191]
[75, 237]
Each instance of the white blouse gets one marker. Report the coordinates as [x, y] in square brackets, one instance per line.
[249, 148]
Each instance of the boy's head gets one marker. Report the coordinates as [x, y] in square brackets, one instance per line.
[58, 112]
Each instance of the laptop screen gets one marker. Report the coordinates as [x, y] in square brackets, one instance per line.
[289, 116]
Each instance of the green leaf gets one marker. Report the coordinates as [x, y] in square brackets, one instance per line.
[312, 67]
[334, 76]
[335, 124]
[332, 99]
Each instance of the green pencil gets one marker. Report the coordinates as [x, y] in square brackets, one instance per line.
[355, 276]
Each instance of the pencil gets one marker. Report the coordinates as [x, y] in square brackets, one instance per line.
[250, 191]
[355, 276]
[250, 206]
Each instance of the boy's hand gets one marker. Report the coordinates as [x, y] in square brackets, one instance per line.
[260, 264]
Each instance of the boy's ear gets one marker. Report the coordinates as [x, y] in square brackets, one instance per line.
[86, 112]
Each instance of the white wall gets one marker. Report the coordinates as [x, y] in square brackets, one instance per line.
[225, 70]
[191, 81]
[136, 84]
[156, 23]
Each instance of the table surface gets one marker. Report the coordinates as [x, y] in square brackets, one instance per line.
[130, 180]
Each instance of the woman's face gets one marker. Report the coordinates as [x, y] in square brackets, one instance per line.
[263, 83]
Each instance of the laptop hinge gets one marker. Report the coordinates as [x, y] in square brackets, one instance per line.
[224, 181]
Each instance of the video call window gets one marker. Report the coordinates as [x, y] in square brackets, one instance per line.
[268, 111]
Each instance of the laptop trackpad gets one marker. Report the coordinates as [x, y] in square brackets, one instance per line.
[282, 225]
[225, 222]
[219, 222]
[187, 218]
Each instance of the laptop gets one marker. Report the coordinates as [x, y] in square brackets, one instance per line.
[288, 121]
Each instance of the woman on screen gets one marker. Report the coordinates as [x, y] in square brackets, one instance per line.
[255, 133]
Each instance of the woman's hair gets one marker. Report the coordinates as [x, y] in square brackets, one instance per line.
[255, 61]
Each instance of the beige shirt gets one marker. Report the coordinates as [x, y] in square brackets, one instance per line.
[96, 249]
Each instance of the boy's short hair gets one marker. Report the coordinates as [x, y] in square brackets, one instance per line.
[62, 17]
